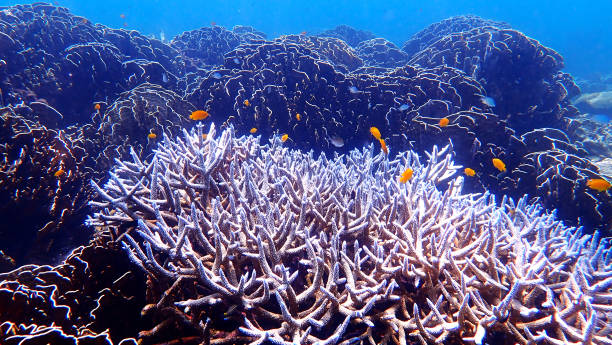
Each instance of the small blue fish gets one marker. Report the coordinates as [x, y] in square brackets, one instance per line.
[216, 75]
[488, 101]
[353, 89]
[404, 107]
[236, 61]
[336, 141]
[164, 77]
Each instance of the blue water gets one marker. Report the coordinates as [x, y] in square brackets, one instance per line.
[579, 30]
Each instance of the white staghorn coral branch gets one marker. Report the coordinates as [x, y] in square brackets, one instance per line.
[343, 246]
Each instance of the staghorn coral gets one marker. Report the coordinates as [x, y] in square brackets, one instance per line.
[325, 251]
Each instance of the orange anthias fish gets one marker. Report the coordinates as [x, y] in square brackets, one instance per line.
[97, 106]
[59, 173]
[284, 137]
[199, 115]
[406, 176]
[375, 132]
[298, 117]
[498, 164]
[246, 103]
[443, 122]
[253, 130]
[152, 135]
[204, 136]
[598, 184]
[469, 171]
[383, 146]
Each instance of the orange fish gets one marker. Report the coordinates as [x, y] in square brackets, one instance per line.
[383, 146]
[152, 135]
[59, 173]
[375, 132]
[213, 23]
[97, 106]
[598, 184]
[122, 16]
[298, 117]
[406, 176]
[84, 20]
[199, 115]
[303, 33]
[469, 171]
[284, 137]
[253, 130]
[443, 122]
[204, 136]
[246, 103]
[124, 24]
[498, 164]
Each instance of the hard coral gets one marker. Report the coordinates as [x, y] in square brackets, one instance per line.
[67, 62]
[317, 250]
[382, 53]
[95, 288]
[436, 31]
[204, 48]
[147, 108]
[521, 75]
[348, 34]
[42, 189]
[286, 77]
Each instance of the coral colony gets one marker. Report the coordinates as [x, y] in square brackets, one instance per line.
[205, 236]
[338, 251]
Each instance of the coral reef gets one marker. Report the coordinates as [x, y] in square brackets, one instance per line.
[258, 55]
[379, 52]
[128, 121]
[335, 250]
[321, 91]
[229, 241]
[93, 290]
[348, 34]
[555, 171]
[281, 79]
[67, 62]
[43, 187]
[518, 73]
[205, 47]
[436, 31]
